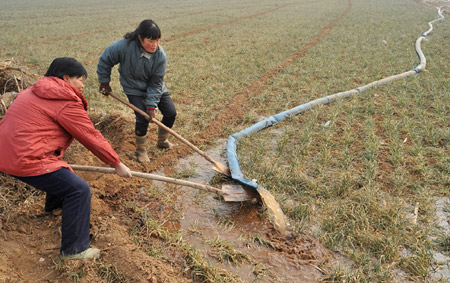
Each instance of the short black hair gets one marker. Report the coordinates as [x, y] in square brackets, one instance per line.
[66, 66]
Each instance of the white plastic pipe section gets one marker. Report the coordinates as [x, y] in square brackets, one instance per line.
[423, 60]
[418, 69]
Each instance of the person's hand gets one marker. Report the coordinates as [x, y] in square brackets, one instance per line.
[105, 89]
[123, 171]
[151, 112]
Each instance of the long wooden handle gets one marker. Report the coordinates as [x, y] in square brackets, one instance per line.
[164, 127]
[150, 176]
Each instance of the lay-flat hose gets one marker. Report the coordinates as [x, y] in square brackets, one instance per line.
[233, 162]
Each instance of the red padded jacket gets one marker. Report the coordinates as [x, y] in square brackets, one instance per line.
[41, 124]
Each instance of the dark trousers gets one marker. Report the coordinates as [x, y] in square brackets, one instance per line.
[165, 105]
[70, 191]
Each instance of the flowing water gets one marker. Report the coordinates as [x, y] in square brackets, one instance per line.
[207, 222]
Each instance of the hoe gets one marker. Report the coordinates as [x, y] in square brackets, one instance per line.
[219, 167]
[229, 193]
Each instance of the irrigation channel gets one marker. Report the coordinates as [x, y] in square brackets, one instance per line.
[257, 252]
[275, 213]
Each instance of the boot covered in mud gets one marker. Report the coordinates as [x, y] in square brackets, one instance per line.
[141, 149]
[90, 253]
[163, 139]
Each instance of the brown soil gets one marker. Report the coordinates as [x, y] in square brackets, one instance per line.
[29, 239]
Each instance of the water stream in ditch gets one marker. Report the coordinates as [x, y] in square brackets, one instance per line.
[209, 224]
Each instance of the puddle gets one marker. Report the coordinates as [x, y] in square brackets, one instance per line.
[207, 219]
[440, 269]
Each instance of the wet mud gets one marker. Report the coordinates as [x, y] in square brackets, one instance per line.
[243, 226]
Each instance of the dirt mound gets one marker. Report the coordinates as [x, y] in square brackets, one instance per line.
[30, 239]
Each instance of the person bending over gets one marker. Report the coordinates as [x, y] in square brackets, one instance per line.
[142, 66]
[35, 132]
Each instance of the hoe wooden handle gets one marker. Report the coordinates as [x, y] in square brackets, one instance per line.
[216, 165]
[150, 176]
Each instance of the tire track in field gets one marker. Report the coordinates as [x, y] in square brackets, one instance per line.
[200, 30]
[223, 24]
[171, 38]
[236, 108]
[240, 100]
[63, 37]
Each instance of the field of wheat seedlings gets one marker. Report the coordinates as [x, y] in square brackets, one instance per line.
[366, 176]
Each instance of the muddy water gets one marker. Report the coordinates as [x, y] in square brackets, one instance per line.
[207, 218]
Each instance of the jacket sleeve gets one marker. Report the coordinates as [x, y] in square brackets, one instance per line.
[75, 120]
[109, 58]
[155, 84]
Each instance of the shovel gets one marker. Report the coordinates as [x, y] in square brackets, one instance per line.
[219, 167]
[229, 193]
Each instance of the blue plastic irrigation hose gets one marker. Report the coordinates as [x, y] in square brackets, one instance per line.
[233, 161]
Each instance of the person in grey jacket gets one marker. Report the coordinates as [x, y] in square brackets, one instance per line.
[142, 66]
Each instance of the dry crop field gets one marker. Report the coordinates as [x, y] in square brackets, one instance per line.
[364, 181]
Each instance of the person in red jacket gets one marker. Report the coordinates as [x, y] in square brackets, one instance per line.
[34, 134]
